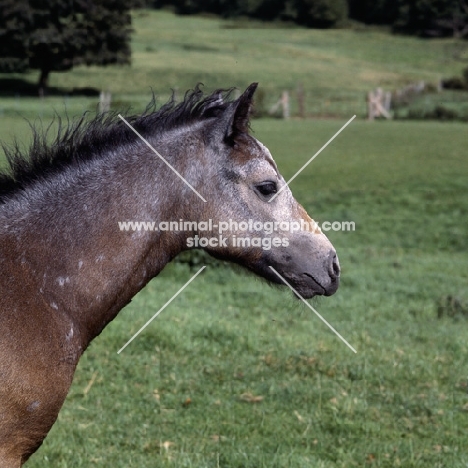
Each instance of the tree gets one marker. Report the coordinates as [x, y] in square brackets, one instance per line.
[312, 13]
[373, 11]
[433, 17]
[14, 20]
[455, 21]
[319, 13]
[56, 35]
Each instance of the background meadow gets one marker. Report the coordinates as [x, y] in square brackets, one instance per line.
[236, 373]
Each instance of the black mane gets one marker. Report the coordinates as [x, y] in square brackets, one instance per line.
[83, 139]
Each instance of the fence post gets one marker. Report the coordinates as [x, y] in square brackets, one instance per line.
[285, 104]
[378, 104]
[300, 100]
[104, 101]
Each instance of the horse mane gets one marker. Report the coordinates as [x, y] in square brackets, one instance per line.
[84, 139]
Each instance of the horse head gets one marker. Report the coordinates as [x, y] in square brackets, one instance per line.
[259, 223]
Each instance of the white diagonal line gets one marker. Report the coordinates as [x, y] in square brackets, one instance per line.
[311, 159]
[157, 154]
[313, 310]
[161, 309]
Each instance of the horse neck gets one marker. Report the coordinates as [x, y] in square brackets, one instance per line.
[72, 249]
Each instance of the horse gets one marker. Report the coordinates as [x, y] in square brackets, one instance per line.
[66, 267]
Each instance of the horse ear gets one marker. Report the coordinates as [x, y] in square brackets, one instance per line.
[239, 122]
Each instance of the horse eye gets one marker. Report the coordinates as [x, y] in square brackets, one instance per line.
[267, 188]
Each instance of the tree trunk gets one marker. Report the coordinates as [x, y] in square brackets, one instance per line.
[43, 82]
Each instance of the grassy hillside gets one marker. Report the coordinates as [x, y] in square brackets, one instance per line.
[336, 68]
[237, 374]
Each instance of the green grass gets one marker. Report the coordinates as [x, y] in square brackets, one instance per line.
[176, 397]
[452, 105]
[401, 401]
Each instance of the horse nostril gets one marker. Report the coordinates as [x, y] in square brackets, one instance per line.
[334, 268]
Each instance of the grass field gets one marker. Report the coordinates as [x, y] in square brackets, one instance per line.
[401, 401]
[237, 374]
[336, 68]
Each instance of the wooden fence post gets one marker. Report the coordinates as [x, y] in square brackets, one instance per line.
[300, 101]
[104, 101]
[378, 104]
[284, 103]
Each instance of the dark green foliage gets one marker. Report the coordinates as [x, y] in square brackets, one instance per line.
[107, 26]
[319, 13]
[457, 82]
[432, 18]
[261, 9]
[312, 13]
[53, 39]
[422, 17]
[265, 9]
[57, 35]
[14, 20]
[219, 7]
[439, 112]
[373, 12]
